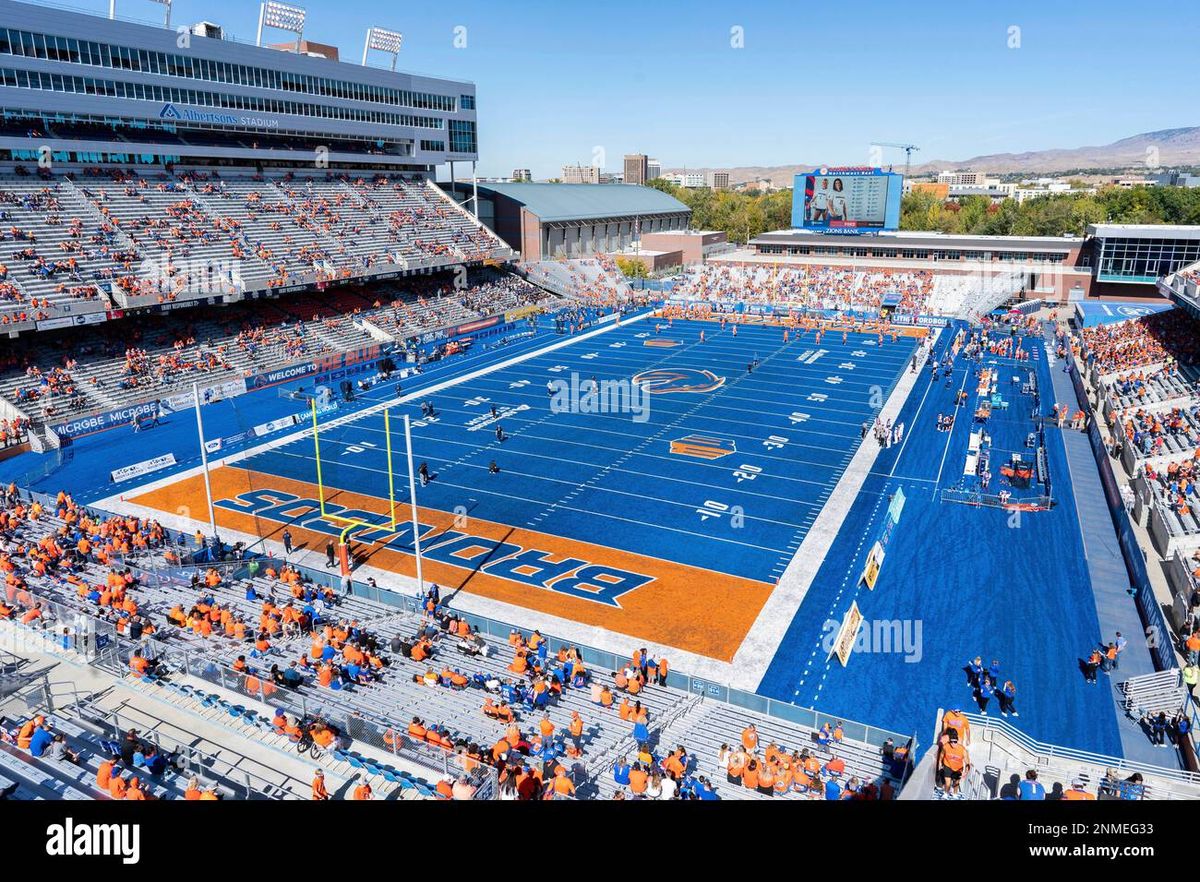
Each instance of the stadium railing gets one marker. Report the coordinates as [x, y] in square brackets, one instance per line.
[388, 736]
[1183, 586]
[993, 500]
[62, 699]
[1003, 750]
[87, 635]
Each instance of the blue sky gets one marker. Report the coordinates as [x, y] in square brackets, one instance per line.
[812, 83]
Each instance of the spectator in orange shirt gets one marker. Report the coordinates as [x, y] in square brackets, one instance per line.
[319, 793]
[638, 780]
[750, 738]
[1078, 791]
[562, 786]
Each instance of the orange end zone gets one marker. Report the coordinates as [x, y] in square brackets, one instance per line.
[672, 604]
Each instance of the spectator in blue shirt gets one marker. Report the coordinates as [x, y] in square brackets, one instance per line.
[621, 772]
[1132, 787]
[1158, 725]
[1121, 643]
[1031, 788]
[974, 669]
[705, 791]
[1007, 695]
[986, 691]
[42, 736]
[833, 790]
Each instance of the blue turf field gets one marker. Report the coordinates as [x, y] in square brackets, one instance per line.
[978, 581]
[794, 422]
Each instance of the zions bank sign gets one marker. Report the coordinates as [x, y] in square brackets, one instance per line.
[183, 113]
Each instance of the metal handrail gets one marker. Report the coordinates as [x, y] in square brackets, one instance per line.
[1030, 745]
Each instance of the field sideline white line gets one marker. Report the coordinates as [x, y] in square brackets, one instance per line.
[763, 640]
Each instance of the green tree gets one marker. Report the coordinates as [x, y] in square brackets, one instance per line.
[632, 268]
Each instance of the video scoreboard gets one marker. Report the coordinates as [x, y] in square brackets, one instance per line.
[847, 200]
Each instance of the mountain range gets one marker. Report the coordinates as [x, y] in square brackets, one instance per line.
[1166, 149]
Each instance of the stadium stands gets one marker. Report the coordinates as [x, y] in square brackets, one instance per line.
[120, 239]
[175, 629]
[140, 359]
[1157, 340]
[810, 287]
[970, 296]
[53, 251]
[1145, 376]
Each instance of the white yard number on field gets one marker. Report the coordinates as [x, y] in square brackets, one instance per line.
[590, 356]
[798, 417]
[642, 335]
[473, 402]
[818, 396]
[775, 442]
[557, 369]
[360, 447]
[746, 473]
[616, 345]
[518, 384]
[712, 509]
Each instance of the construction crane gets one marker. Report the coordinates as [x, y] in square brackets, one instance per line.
[908, 152]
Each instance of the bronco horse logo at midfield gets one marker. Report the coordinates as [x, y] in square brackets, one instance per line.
[660, 381]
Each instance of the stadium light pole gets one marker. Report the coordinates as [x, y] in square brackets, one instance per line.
[383, 40]
[212, 516]
[280, 16]
[412, 496]
[474, 190]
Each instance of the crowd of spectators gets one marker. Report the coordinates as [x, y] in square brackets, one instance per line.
[1162, 338]
[811, 287]
[1148, 431]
